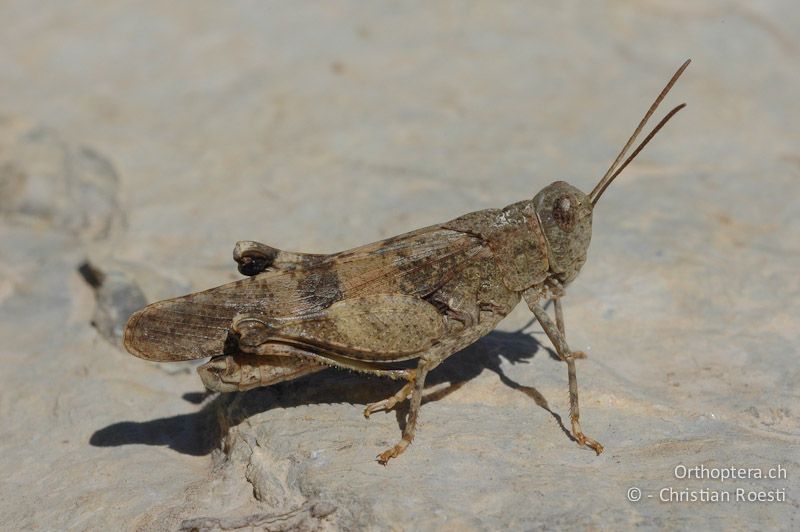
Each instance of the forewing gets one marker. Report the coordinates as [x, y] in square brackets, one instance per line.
[188, 327]
[416, 263]
[197, 325]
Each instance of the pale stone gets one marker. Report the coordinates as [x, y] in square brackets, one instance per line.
[147, 139]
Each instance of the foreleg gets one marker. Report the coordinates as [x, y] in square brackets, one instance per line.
[560, 325]
[567, 356]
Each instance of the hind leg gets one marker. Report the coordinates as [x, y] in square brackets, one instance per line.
[421, 372]
[241, 371]
[254, 257]
[390, 402]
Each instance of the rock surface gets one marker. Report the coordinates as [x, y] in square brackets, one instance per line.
[144, 140]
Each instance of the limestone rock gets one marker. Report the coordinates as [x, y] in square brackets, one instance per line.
[320, 127]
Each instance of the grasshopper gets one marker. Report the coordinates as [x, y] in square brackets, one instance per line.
[421, 296]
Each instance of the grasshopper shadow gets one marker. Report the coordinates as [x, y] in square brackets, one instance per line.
[199, 433]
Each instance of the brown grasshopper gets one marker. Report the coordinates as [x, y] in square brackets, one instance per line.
[422, 295]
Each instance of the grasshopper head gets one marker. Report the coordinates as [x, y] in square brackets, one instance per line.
[565, 214]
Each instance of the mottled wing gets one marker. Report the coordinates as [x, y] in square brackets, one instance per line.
[416, 263]
[191, 326]
[197, 325]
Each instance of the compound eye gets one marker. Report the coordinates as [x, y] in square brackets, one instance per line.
[564, 212]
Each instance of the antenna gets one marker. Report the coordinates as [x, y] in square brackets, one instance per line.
[616, 168]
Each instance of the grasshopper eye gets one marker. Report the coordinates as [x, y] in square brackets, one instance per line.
[564, 210]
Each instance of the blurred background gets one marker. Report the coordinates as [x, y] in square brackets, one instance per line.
[140, 140]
